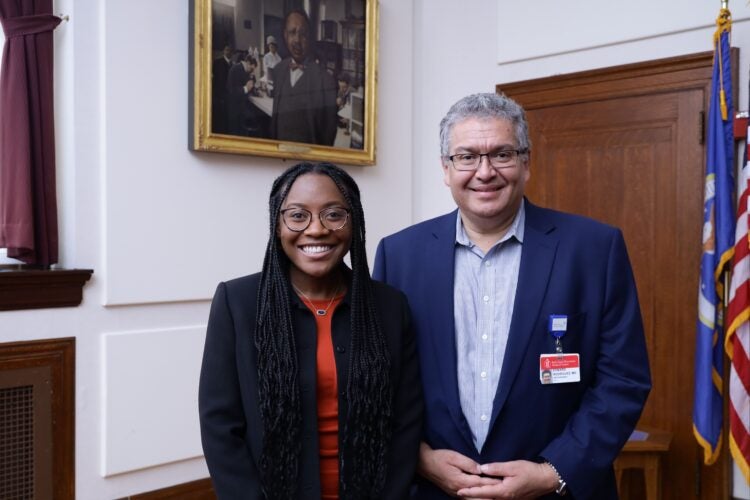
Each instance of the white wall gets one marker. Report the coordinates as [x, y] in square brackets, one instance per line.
[161, 225]
[584, 24]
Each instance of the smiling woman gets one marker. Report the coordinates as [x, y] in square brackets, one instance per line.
[315, 245]
[310, 385]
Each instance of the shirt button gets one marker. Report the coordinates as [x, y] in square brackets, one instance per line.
[484, 337]
[483, 374]
[486, 298]
[487, 264]
[340, 349]
[483, 418]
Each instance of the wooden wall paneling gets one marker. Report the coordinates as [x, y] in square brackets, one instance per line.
[194, 490]
[46, 370]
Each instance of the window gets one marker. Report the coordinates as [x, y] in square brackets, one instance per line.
[27, 287]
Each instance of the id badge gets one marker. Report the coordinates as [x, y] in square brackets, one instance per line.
[559, 368]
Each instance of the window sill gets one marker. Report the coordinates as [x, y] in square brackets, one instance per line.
[40, 289]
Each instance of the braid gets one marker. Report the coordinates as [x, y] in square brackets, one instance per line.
[278, 390]
[367, 428]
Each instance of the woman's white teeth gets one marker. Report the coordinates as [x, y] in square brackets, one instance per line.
[315, 248]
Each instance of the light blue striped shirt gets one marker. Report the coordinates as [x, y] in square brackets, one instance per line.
[484, 292]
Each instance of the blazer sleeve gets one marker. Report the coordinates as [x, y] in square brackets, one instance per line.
[407, 415]
[222, 418]
[378, 268]
[611, 407]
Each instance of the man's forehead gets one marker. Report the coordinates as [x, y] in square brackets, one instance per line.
[483, 127]
[485, 120]
[295, 18]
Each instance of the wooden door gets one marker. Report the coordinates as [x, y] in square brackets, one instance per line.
[625, 146]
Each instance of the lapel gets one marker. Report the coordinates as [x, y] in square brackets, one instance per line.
[537, 257]
[283, 77]
[439, 293]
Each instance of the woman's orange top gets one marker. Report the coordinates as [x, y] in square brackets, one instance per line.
[328, 401]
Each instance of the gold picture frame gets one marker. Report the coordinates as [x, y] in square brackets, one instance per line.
[340, 47]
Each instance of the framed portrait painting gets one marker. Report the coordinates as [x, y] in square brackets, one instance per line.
[284, 78]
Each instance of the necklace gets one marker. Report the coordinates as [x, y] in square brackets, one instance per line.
[319, 312]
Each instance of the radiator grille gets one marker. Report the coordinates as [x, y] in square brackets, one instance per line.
[17, 443]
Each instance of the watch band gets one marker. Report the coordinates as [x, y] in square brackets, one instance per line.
[562, 486]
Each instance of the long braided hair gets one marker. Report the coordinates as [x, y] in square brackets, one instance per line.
[367, 428]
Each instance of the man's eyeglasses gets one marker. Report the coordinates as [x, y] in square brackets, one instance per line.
[504, 158]
[298, 219]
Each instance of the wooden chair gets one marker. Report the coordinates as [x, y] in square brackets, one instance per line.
[645, 455]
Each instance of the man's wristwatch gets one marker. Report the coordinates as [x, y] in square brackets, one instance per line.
[562, 487]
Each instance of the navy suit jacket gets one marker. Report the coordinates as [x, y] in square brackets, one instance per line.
[569, 265]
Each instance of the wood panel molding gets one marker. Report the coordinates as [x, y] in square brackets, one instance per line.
[55, 359]
[674, 73]
[38, 288]
[194, 490]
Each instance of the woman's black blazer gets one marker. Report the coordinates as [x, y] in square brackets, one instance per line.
[231, 430]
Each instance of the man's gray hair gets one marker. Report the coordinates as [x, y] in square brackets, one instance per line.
[483, 106]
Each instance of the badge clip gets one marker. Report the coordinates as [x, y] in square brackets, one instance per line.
[557, 327]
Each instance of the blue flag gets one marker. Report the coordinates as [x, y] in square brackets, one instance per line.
[718, 246]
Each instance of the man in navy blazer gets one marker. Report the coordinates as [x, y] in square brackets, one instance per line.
[530, 337]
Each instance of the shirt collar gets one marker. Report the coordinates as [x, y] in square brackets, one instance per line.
[516, 229]
[294, 65]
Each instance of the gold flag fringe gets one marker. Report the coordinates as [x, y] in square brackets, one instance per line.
[723, 23]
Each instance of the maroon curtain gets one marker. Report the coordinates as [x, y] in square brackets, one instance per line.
[28, 202]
